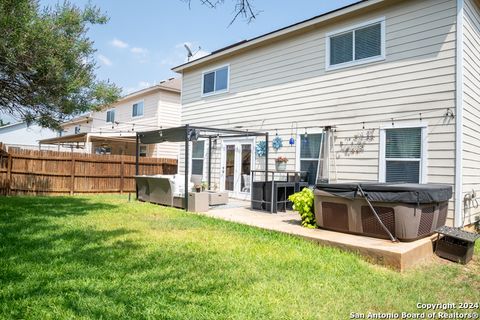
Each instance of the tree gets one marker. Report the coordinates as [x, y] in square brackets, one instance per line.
[47, 67]
[243, 8]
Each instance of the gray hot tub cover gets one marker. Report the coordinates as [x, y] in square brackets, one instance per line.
[391, 192]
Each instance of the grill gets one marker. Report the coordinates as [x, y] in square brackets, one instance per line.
[455, 244]
[370, 224]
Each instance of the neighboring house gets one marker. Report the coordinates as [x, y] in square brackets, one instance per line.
[112, 130]
[398, 82]
[21, 135]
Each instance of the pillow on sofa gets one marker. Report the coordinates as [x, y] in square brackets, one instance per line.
[178, 185]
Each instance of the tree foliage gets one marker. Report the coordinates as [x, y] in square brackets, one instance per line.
[243, 8]
[47, 65]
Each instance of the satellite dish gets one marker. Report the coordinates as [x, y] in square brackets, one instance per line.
[189, 51]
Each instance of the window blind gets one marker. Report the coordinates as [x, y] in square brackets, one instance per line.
[341, 48]
[358, 44]
[221, 80]
[111, 116]
[208, 82]
[404, 143]
[137, 109]
[215, 81]
[403, 155]
[368, 42]
[198, 152]
[403, 171]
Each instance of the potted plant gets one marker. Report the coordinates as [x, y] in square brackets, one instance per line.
[198, 188]
[204, 185]
[281, 163]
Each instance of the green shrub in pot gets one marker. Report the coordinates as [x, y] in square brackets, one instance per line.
[303, 203]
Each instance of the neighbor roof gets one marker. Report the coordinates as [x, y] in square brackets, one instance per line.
[172, 85]
[277, 33]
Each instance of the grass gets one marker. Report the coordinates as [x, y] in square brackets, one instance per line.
[103, 257]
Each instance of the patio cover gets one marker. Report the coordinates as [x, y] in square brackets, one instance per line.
[189, 133]
[87, 137]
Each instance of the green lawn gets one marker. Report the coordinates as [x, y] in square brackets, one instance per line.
[103, 257]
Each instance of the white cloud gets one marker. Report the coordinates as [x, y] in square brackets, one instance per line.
[119, 43]
[104, 60]
[138, 50]
[143, 84]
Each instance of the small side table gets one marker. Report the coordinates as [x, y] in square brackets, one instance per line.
[455, 244]
[217, 197]
[198, 201]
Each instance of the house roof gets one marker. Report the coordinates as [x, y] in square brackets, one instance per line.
[172, 85]
[10, 125]
[79, 119]
[244, 44]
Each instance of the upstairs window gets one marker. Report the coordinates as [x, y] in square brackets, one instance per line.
[110, 116]
[215, 81]
[77, 129]
[365, 43]
[137, 109]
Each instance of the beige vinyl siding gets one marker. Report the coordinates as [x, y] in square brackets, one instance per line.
[283, 82]
[159, 110]
[70, 128]
[169, 114]
[471, 107]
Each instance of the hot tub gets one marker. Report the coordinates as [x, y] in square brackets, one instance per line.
[408, 211]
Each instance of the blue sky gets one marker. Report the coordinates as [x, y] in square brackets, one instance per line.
[144, 39]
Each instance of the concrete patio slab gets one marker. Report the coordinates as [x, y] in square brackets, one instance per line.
[399, 256]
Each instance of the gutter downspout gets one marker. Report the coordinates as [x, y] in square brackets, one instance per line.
[459, 116]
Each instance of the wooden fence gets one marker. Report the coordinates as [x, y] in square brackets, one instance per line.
[25, 171]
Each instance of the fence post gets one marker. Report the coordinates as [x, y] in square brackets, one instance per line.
[72, 177]
[122, 175]
[9, 174]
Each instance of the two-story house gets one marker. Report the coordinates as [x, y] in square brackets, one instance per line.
[112, 130]
[391, 86]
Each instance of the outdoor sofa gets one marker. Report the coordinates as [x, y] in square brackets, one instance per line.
[168, 190]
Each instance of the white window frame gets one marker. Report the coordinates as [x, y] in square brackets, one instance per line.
[143, 146]
[354, 62]
[423, 156]
[106, 115]
[143, 111]
[298, 145]
[214, 92]
[205, 155]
